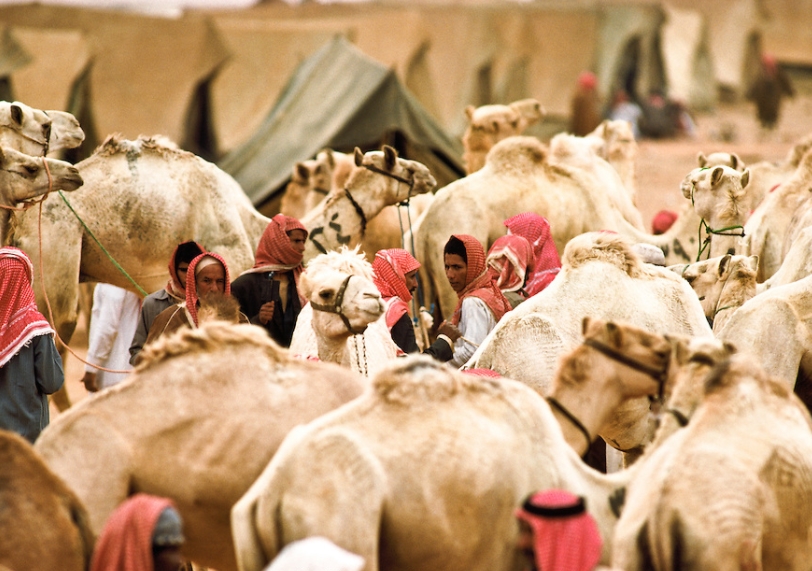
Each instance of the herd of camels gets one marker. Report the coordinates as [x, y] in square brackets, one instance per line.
[694, 372]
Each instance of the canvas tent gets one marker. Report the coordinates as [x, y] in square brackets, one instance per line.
[339, 99]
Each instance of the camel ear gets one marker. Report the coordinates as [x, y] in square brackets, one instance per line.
[469, 112]
[585, 324]
[745, 178]
[301, 172]
[752, 262]
[723, 264]
[390, 156]
[17, 114]
[735, 161]
[359, 157]
[614, 333]
[331, 160]
[700, 158]
[729, 347]
[681, 352]
[716, 175]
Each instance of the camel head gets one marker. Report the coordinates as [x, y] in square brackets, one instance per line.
[717, 193]
[24, 128]
[340, 290]
[23, 177]
[731, 160]
[66, 133]
[393, 178]
[618, 139]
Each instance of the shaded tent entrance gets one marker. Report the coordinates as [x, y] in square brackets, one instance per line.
[339, 99]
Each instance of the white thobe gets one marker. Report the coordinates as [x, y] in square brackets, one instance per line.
[476, 321]
[112, 326]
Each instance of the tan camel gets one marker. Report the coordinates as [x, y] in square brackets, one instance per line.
[489, 124]
[614, 142]
[423, 471]
[35, 132]
[379, 179]
[754, 506]
[343, 303]
[767, 176]
[722, 284]
[24, 178]
[45, 526]
[295, 199]
[797, 263]
[197, 422]
[601, 276]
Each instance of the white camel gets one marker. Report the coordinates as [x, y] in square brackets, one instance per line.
[767, 176]
[489, 124]
[197, 422]
[601, 276]
[614, 142]
[754, 507]
[36, 132]
[797, 263]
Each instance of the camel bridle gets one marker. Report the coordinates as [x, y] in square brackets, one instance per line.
[336, 306]
[407, 181]
[360, 211]
[659, 375]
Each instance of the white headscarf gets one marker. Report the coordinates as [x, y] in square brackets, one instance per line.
[315, 554]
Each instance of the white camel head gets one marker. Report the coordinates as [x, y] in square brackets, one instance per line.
[37, 132]
[23, 177]
[340, 290]
[720, 159]
[715, 192]
[403, 178]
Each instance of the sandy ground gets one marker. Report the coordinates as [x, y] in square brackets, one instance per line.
[661, 167]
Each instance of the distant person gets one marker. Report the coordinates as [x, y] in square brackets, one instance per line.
[660, 118]
[112, 325]
[586, 107]
[30, 365]
[511, 261]
[536, 229]
[174, 292]
[144, 533]
[768, 89]
[623, 108]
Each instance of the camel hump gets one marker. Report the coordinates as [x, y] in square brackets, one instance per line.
[419, 379]
[210, 337]
[116, 144]
[516, 152]
[607, 247]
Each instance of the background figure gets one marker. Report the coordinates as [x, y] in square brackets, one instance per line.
[624, 109]
[557, 534]
[511, 261]
[662, 221]
[30, 366]
[769, 87]
[315, 554]
[586, 108]
[660, 118]
[144, 533]
[536, 230]
[112, 326]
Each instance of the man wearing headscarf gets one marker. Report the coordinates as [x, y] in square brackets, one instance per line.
[174, 292]
[769, 87]
[511, 261]
[586, 111]
[536, 230]
[480, 304]
[30, 365]
[268, 292]
[207, 284]
[557, 534]
[144, 533]
[395, 276]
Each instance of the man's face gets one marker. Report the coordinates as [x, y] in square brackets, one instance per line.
[525, 544]
[168, 559]
[211, 279]
[183, 267]
[411, 281]
[297, 240]
[456, 271]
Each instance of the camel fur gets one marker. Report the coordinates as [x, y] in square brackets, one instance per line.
[45, 526]
[196, 422]
[767, 176]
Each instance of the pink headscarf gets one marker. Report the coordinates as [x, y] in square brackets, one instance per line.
[662, 221]
[587, 80]
[511, 260]
[191, 286]
[275, 252]
[390, 268]
[125, 543]
[536, 229]
[20, 320]
[479, 281]
[565, 536]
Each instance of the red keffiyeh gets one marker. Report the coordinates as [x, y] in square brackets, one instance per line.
[20, 320]
[125, 543]
[536, 229]
[174, 287]
[390, 268]
[275, 252]
[511, 260]
[565, 536]
[479, 281]
[191, 286]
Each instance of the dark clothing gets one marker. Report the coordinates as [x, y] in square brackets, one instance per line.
[403, 336]
[659, 120]
[766, 92]
[25, 382]
[252, 290]
[586, 115]
[152, 305]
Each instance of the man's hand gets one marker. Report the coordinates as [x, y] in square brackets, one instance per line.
[90, 382]
[449, 330]
[266, 312]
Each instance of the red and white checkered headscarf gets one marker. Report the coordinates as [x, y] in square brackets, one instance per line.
[511, 260]
[479, 281]
[125, 543]
[191, 286]
[20, 320]
[390, 268]
[536, 229]
[275, 252]
[565, 536]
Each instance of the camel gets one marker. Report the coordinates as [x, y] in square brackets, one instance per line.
[489, 124]
[343, 303]
[45, 526]
[723, 284]
[379, 179]
[601, 276]
[767, 176]
[35, 132]
[751, 514]
[197, 422]
[797, 263]
[24, 178]
[614, 142]
[295, 198]
[139, 199]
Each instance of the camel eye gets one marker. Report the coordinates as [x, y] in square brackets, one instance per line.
[31, 169]
[326, 294]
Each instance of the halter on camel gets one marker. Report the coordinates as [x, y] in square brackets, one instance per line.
[711, 231]
[360, 211]
[336, 306]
